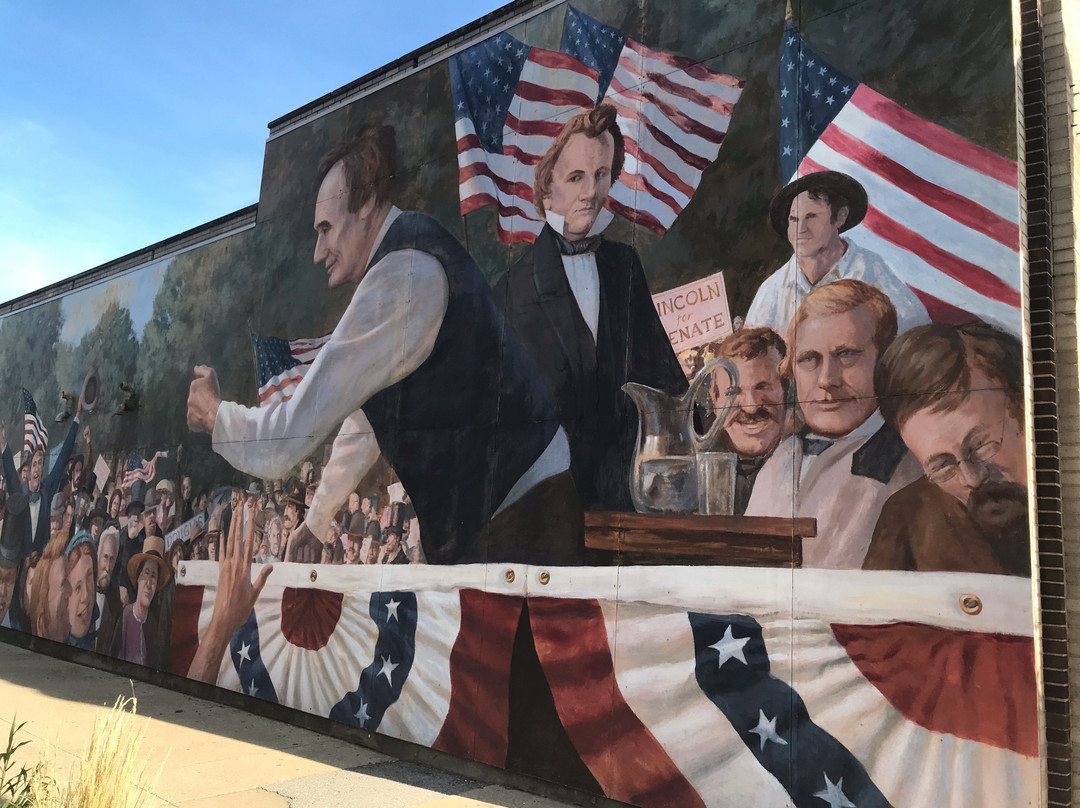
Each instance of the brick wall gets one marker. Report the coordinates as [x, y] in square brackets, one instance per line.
[1052, 260]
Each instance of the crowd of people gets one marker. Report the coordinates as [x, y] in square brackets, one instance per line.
[93, 563]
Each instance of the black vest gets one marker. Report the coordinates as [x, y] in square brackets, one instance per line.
[462, 428]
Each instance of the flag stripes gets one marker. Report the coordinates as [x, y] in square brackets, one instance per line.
[673, 114]
[139, 469]
[943, 212]
[281, 364]
[35, 435]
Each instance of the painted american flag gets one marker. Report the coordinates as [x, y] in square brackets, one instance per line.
[280, 364]
[510, 101]
[673, 114]
[34, 432]
[139, 469]
[944, 213]
[674, 693]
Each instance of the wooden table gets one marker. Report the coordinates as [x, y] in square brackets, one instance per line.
[660, 538]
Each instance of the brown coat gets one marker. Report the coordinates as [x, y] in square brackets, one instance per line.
[923, 528]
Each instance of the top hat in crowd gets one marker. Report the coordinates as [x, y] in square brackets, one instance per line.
[153, 550]
[831, 181]
[11, 544]
[294, 493]
[138, 493]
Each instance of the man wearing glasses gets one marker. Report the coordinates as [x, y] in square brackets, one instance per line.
[955, 394]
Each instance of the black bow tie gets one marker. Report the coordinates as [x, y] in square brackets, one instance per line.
[33, 496]
[815, 446]
[580, 247]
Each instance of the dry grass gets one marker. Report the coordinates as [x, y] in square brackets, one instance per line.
[111, 774]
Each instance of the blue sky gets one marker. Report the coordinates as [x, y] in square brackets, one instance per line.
[124, 123]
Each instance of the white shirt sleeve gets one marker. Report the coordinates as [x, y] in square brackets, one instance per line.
[355, 450]
[386, 333]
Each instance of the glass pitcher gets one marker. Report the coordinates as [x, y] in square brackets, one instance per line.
[665, 473]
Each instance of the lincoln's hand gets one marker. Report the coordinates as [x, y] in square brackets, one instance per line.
[204, 397]
[303, 546]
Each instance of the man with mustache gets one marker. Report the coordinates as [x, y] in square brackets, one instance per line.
[580, 305]
[846, 462]
[107, 589]
[955, 394]
[755, 423]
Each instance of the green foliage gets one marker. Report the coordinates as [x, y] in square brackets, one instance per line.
[28, 349]
[14, 782]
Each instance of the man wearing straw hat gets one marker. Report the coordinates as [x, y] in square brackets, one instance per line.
[136, 638]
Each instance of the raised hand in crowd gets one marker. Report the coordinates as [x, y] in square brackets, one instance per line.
[236, 597]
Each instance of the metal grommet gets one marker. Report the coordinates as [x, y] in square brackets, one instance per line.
[183, 570]
[544, 577]
[971, 604]
[509, 576]
[314, 575]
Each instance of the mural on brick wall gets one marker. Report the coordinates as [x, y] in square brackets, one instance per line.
[633, 399]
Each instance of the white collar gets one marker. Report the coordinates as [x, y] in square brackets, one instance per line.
[558, 222]
[834, 274]
[391, 217]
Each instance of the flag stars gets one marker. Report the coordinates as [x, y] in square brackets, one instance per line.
[784, 92]
[811, 63]
[361, 715]
[822, 72]
[244, 654]
[729, 646]
[832, 80]
[791, 40]
[388, 669]
[830, 100]
[785, 122]
[816, 94]
[847, 89]
[834, 794]
[790, 65]
[766, 731]
[391, 610]
[787, 151]
[252, 690]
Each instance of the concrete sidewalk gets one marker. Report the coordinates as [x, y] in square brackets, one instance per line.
[216, 756]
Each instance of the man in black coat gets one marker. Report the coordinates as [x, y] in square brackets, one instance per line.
[581, 307]
[40, 487]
